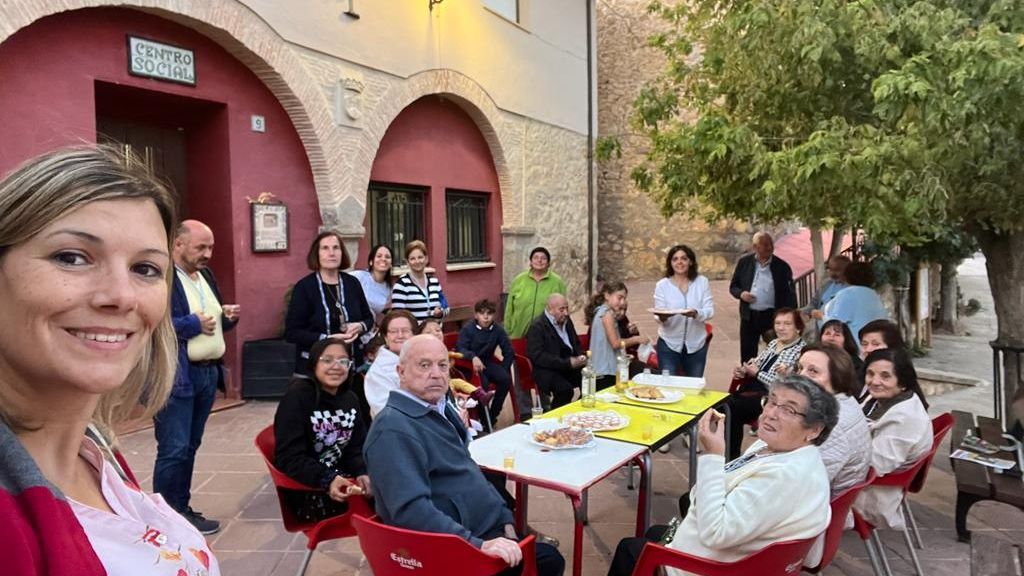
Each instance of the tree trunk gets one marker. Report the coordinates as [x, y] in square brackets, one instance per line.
[1004, 263]
[836, 245]
[817, 250]
[948, 304]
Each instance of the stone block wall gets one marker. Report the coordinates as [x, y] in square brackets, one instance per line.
[633, 236]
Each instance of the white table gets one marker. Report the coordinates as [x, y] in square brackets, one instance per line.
[570, 472]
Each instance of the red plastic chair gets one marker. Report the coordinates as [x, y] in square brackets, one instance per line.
[519, 346]
[316, 532]
[391, 550]
[450, 339]
[584, 342]
[840, 505]
[652, 360]
[910, 478]
[779, 559]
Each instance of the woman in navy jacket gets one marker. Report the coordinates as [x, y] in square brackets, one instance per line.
[327, 303]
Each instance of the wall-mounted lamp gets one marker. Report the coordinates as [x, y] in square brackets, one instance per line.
[432, 2]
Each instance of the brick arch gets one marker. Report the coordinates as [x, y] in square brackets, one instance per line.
[458, 88]
[249, 39]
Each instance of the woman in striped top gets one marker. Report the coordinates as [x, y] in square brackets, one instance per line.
[416, 291]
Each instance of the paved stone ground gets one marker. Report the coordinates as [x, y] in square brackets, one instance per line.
[231, 483]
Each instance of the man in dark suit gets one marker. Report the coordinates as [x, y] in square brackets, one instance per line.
[555, 352]
[762, 283]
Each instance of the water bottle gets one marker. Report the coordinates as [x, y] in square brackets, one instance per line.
[622, 372]
[589, 384]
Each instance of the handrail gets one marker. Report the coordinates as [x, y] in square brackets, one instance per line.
[806, 284]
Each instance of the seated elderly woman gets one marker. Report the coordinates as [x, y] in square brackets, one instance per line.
[838, 334]
[847, 452]
[901, 431]
[744, 506]
[777, 359]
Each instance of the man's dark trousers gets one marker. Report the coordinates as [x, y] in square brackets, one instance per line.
[751, 330]
[179, 432]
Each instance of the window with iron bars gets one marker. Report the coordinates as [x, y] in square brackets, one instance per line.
[467, 226]
[396, 217]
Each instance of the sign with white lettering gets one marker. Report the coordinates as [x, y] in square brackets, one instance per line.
[152, 59]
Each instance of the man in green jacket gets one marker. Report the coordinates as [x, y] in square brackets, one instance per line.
[529, 293]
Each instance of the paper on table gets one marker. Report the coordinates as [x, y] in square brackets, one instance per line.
[983, 460]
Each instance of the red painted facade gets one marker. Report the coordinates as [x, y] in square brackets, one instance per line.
[434, 144]
[56, 73]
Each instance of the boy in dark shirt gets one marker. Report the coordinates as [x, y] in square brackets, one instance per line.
[477, 342]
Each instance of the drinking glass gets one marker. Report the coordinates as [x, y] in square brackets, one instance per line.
[508, 460]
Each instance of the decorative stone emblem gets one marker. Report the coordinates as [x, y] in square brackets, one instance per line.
[351, 90]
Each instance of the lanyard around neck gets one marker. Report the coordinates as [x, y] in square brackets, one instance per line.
[340, 302]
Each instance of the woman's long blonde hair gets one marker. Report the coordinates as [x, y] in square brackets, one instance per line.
[47, 187]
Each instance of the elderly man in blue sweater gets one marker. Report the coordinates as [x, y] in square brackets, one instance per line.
[424, 479]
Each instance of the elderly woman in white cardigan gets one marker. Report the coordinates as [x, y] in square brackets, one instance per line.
[746, 505]
[901, 431]
[847, 452]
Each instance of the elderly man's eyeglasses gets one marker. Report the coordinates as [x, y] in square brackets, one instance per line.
[337, 362]
[784, 409]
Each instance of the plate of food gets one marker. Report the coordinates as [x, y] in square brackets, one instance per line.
[564, 438]
[654, 395]
[597, 420]
[670, 311]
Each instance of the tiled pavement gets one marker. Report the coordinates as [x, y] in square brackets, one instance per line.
[231, 484]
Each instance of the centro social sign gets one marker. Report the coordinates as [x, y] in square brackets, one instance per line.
[153, 59]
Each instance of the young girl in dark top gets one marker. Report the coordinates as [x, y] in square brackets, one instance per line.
[319, 434]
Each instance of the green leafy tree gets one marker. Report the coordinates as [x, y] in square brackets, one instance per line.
[901, 116]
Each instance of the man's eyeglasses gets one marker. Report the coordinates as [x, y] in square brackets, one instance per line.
[338, 362]
[785, 409]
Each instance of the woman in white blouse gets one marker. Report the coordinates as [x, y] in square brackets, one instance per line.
[682, 336]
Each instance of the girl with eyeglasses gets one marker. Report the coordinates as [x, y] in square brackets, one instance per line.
[319, 435]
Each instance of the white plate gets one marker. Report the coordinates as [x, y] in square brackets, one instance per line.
[623, 420]
[670, 397]
[606, 397]
[590, 444]
[668, 311]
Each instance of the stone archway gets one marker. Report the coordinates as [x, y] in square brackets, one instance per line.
[247, 37]
[453, 85]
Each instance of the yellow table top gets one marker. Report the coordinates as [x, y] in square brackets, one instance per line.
[663, 424]
[693, 401]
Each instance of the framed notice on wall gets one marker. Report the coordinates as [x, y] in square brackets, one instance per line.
[269, 227]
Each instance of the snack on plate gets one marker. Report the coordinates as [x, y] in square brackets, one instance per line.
[561, 437]
[647, 392]
[595, 420]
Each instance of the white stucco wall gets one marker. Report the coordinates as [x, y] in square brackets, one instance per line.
[536, 68]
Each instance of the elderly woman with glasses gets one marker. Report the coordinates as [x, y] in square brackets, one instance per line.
[319, 435]
[397, 326]
[745, 505]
